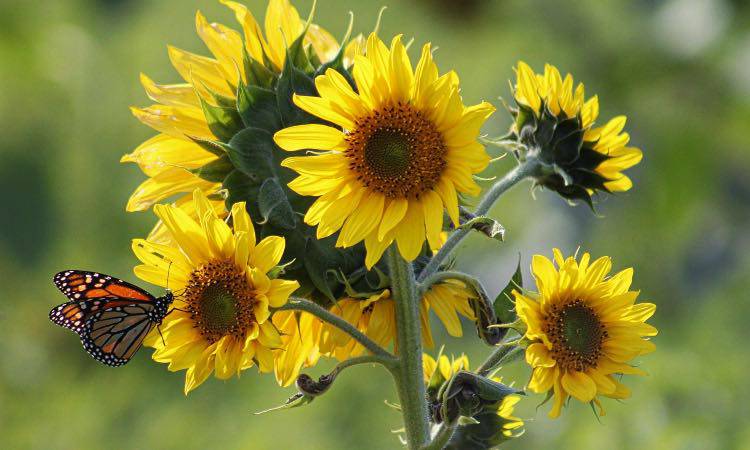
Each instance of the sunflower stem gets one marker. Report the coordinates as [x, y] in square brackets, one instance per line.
[366, 359]
[505, 352]
[311, 388]
[520, 172]
[300, 304]
[408, 374]
[470, 280]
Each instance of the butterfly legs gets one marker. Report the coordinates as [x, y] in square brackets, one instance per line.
[158, 328]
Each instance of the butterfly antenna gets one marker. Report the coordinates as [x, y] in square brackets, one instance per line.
[169, 268]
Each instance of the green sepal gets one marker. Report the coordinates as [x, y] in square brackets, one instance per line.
[486, 433]
[468, 394]
[274, 205]
[251, 151]
[465, 421]
[296, 54]
[321, 256]
[215, 171]
[258, 108]
[256, 72]
[491, 391]
[504, 306]
[223, 122]
[242, 188]
[337, 64]
[217, 148]
[279, 270]
[294, 81]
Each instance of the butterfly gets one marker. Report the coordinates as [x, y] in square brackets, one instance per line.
[111, 316]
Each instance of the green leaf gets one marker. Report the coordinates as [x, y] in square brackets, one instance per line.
[295, 401]
[490, 391]
[258, 108]
[294, 81]
[487, 226]
[256, 72]
[337, 63]
[215, 147]
[505, 308]
[274, 206]
[467, 394]
[465, 421]
[297, 56]
[487, 433]
[242, 188]
[223, 122]
[251, 151]
[320, 256]
[215, 171]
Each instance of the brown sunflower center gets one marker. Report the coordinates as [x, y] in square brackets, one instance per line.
[220, 300]
[397, 151]
[576, 334]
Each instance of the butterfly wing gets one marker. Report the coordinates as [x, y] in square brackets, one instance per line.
[114, 334]
[89, 293]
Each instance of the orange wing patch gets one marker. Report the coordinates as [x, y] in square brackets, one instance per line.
[72, 312]
[126, 292]
[97, 293]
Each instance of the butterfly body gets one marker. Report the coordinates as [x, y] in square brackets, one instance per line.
[111, 316]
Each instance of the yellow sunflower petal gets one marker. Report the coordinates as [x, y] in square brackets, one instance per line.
[267, 254]
[312, 136]
[579, 385]
[280, 291]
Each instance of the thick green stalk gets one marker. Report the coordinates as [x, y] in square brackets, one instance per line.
[301, 304]
[520, 172]
[408, 373]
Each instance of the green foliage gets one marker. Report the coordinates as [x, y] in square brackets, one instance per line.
[683, 226]
[505, 308]
[251, 171]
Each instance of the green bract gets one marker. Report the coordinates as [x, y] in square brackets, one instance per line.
[250, 171]
[568, 163]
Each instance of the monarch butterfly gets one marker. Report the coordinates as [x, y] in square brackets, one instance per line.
[111, 316]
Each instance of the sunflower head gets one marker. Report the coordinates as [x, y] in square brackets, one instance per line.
[398, 146]
[495, 420]
[216, 131]
[374, 315]
[554, 123]
[583, 329]
[221, 322]
[437, 372]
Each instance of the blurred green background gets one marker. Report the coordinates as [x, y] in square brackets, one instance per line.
[679, 69]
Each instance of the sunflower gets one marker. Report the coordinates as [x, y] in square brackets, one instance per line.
[221, 321]
[300, 334]
[375, 317]
[400, 148]
[172, 159]
[583, 328]
[443, 369]
[498, 417]
[555, 123]
[160, 233]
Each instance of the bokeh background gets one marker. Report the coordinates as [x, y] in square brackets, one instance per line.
[679, 69]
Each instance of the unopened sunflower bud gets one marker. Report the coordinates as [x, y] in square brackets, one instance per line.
[554, 124]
